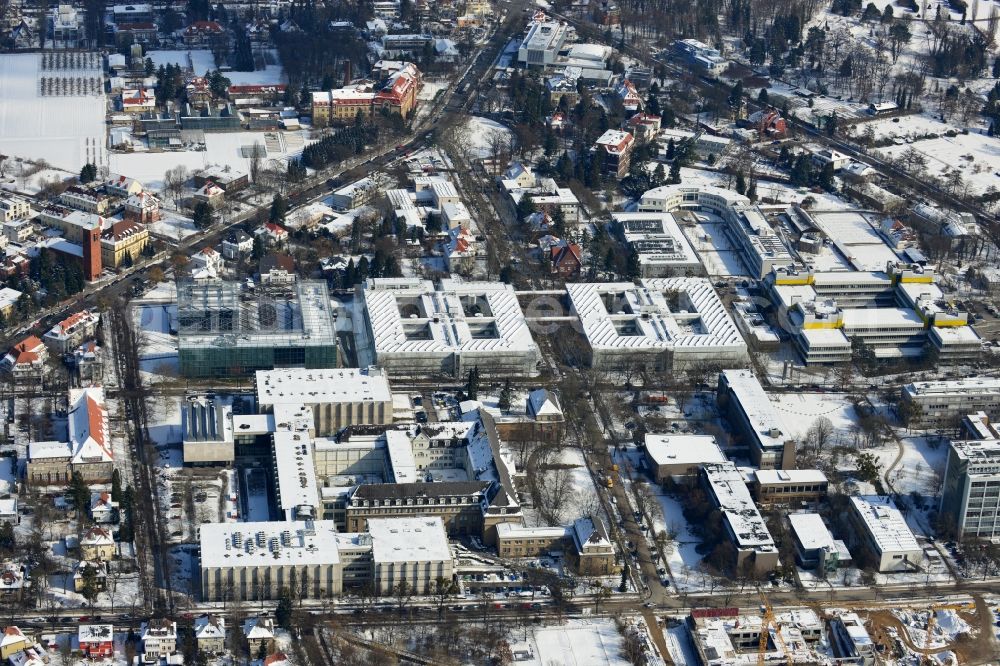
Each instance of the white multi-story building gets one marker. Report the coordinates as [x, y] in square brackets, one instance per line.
[883, 531]
[664, 322]
[414, 329]
[542, 43]
[13, 208]
[250, 561]
[745, 527]
[751, 412]
[658, 244]
[338, 397]
[942, 403]
[971, 494]
[760, 247]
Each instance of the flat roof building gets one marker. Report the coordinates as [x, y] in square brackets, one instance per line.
[785, 486]
[658, 244]
[815, 547]
[207, 426]
[943, 403]
[665, 322]
[970, 496]
[745, 526]
[411, 328]
[882, 529]
[224, 331]
[255, 561]
[680, 455]
[751, 412]
[542, 43]
[338, 397]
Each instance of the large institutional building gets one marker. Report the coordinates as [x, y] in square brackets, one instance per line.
[664, 323]
[415, 329]
[396, 97]
[970, 498]
[256, 561]
[944, 403]
[226, 331]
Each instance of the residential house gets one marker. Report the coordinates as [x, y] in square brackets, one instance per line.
[85, 199]
[14, 640]
[643, 126]
[96, 571]
[236, 244]
[103, 509]
[203, 33]
[72, 331]
[210, 634]
[12, 581]
[272, 234]
[26, 360]
[225, 177]
[8, 299]
[142, 208]
[277, 268]
[88, 363]
[615, 148]
[159, 640]
[629, 96]
[565, 259]
[122, 186]
[13, 208]
[67, 27]
[768, 123]
[259, 631]
[206, 264]
[210, 193]
[461, 250]
[97, 641]
[98, 544]
[136, 101]
[138, 32]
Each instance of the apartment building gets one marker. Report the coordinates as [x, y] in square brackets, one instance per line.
[614, 148]
[123, 243]
[936, 404]
[13, 208]
[85, 199]
[87, 451]
[971, 493]
[159, 640]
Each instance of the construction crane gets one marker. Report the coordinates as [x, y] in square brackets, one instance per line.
[765, 623]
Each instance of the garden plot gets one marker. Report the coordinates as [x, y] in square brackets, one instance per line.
[65, 128]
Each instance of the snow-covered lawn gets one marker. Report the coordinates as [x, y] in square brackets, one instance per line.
[65, 131]
[480, 133]
[974, 155]
[199, 60]
[800, 411]
[173, 226]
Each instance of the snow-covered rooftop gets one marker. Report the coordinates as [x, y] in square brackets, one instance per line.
[683, 449]
[408, 540]
[299, 385]
[885, 524]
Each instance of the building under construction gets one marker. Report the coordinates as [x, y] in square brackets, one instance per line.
[226, 330]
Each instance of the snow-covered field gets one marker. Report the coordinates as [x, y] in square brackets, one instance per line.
[65, 131]
[222, 149]
[974, 155]
[198, 60]
[578, 643]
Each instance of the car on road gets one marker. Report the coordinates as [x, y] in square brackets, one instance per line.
[421, 417]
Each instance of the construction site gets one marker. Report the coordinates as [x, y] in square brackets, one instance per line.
[959, 632]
